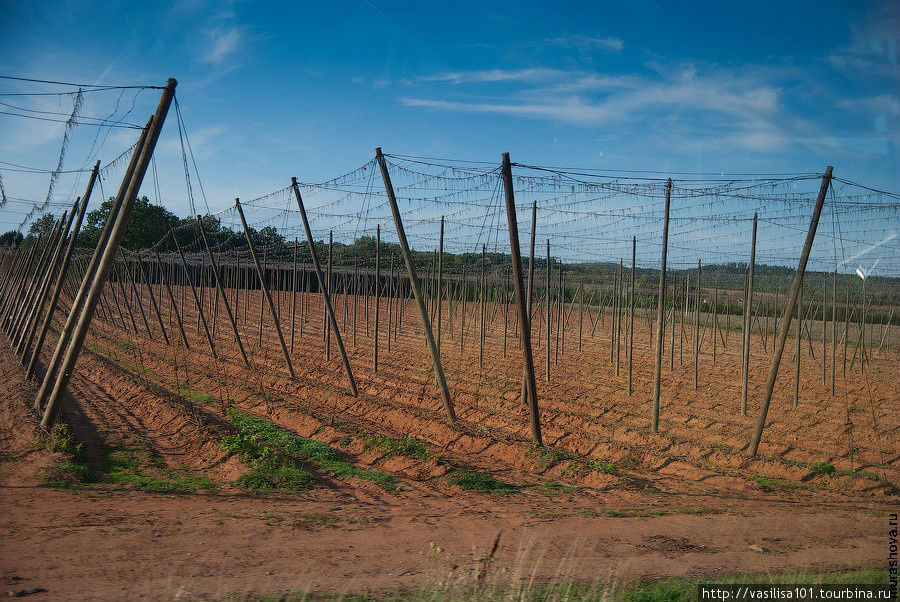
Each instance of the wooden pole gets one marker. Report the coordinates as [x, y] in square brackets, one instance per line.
[799, 339]
[165, 279]
[631, 311]
[824, 334]
[660, 314]
[748, 312]
[416, 290]
[715, 322]
[481, 304]
[440, 284]
[318, 269]
[60, 280]
[547, 303]
[833, 327]
[146, 278]
[697, 327]
[623, 298]
[377, 294]
[263, 286]
[329, 283]
[128, 195]
[221, 290]
[190, 281]
[294, 295]
[789, 307]
[521, 300]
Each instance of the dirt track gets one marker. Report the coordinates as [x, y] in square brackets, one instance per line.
[700, 503]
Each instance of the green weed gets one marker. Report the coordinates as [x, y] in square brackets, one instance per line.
[404, 446]
[480, 482]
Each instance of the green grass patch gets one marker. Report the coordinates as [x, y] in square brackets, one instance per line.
[266, 437]
[548, 457]
[823, 468]
[556, 488]
[70, 472]
[197, 396]
[269, 471]
[604, 467]
[122, 467]
[679, 589]
[66, 474]
[404, 446]
[766, 482]
[480, 482]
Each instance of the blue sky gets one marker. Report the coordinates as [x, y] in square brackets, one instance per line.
[271, 91]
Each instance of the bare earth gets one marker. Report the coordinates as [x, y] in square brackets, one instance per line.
[683, 502]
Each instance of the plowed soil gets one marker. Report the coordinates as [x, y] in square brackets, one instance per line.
[606, 499]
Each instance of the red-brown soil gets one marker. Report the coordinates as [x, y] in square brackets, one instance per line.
[701, 501]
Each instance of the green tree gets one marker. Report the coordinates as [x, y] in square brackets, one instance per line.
[42, 226]
[12, 238]
[146, 225]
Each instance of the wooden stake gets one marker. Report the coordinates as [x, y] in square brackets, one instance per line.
[789, 307]
[263, 286]
[521, 301]
[221, 291]
[631, 312]
[327, 299]
[414, 285]
[748, 312]
[660, 315]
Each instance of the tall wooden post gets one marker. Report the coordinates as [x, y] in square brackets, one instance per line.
[660, 312]
[329, 283]
[788, 310]
[60, 279]
[481, 305]
[414, 285]
[833, 327]
[748, 314]
[521, 301]
[440, 283]
[128, 194]
[190, 281]
[262, 285]
[619, 312]
[293, 295]
[715, 322]
[547, 303]
[824, 334]
[153, 304]
[697, 327]
[631, 312]
[221, 290]
[799, 339]
[37, 306]
[328, 307]
[377, 294]
[165, 279]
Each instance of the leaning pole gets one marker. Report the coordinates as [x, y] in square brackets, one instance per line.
[145, 152]
[788, 311]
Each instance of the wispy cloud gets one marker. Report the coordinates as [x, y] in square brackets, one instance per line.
[223, 43]
[535, 74]
[587, 43]
[746, 109]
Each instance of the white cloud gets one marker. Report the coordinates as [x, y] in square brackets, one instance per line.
[587, 43]
[535, 74]
[744, 109]
[223, 42]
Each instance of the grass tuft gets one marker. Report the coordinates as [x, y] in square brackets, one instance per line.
[404, 446]
[264, 437]
[480, 482]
